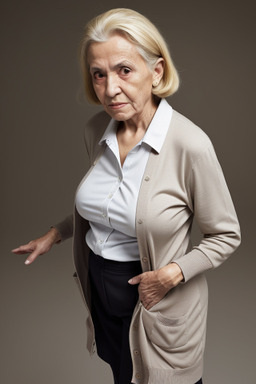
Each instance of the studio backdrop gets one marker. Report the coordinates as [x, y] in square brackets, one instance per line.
[43, 114]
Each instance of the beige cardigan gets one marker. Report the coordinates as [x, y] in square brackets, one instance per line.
[182, 181]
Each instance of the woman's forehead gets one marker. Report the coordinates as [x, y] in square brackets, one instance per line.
[115, 50]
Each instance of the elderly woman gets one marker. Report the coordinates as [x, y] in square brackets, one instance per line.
[151, 171]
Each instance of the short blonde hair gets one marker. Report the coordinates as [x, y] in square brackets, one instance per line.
[141, 32]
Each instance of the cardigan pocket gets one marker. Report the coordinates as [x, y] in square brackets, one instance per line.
[168, 333]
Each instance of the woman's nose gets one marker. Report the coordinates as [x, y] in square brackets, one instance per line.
[112, 86]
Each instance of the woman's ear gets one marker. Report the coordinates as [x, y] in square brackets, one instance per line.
[158, 72]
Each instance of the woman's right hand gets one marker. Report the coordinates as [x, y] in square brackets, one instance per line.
[39, 246]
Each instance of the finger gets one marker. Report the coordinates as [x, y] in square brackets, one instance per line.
[23, 249]
[135, 280]
[149, 306]
[32, 257]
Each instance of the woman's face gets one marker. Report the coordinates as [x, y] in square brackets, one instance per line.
[121, 79]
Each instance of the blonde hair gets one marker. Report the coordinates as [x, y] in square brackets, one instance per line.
[141, 32]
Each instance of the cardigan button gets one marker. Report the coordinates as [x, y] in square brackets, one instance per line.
[145, 259]
[136, 352]
[140, 221]
[137, 376]
[147, 178]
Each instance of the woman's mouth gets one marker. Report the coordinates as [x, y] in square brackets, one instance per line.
[117, 105]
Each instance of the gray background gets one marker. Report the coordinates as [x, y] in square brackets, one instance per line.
[43, 158]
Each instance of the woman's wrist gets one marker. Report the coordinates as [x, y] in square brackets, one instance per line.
[55, 235]
[170, 275]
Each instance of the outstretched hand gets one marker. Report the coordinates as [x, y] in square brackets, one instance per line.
[39, 246]
[154, 285]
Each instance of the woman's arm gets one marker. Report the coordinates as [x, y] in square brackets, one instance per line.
[43, 244]
[215, 215]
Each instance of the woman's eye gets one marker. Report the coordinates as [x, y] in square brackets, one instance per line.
[125, 70]
[98, 75]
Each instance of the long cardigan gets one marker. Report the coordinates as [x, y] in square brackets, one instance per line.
[183, 181]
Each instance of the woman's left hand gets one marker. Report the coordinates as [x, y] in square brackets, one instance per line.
[154, 285]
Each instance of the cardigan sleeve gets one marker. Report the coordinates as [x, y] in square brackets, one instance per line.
[65, 228]
[215, 214]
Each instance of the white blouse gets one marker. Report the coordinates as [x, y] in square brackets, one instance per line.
[107, 198]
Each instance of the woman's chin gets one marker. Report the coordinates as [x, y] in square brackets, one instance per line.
[119, 114]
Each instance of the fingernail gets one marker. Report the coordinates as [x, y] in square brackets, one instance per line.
[130, 281]
[27, 262]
